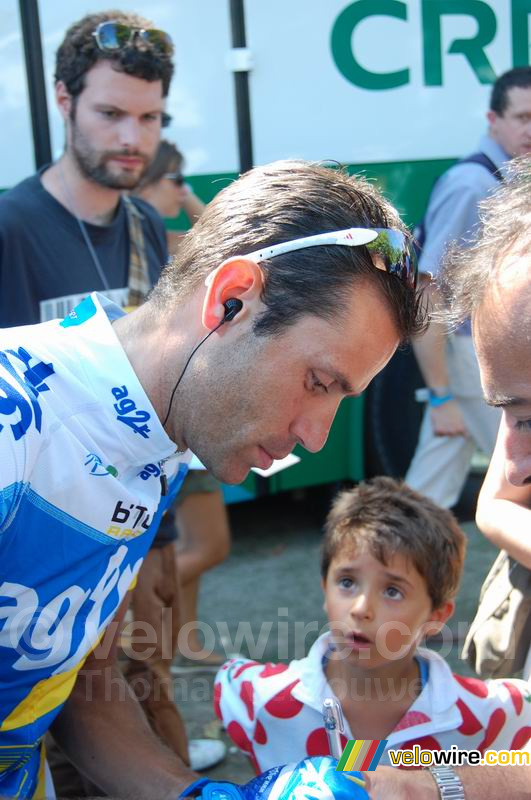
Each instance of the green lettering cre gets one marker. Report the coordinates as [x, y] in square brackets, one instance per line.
[521, 9]
[472, 49]
[341, 44]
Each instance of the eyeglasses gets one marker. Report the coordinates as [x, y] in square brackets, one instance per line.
[176, 177]
[112, 36]
[397, 254]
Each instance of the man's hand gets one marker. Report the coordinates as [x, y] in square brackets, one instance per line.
[314, 779]
[447, 420]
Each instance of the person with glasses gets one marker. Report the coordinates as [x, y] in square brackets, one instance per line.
[69, 229]
[293, 289]
[163, 186]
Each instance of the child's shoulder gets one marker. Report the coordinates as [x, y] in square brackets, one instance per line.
[496, 704]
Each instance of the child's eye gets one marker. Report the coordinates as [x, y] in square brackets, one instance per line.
[394, 593]
[523, 425]
[346, 583]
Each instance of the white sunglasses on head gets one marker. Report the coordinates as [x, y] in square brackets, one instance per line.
[392, 245]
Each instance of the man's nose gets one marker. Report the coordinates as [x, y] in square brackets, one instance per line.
[517, 447]
[130, 133]
[312, 428]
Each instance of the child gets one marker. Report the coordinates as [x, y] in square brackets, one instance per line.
[391, 564]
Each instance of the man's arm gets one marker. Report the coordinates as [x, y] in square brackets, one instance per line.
[430, 352]
[479, 783]
[504, 511]
[104, 731]
[451, 216]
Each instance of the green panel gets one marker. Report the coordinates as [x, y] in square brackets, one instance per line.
[407, 184]
[206, 188]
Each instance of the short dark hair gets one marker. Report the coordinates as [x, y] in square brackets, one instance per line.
[168, 158]
[78, 53]
[518, 77]
[387, 517]
[282, 201]
[505, 223]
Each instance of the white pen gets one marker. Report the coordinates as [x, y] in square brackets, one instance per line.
[334, 726]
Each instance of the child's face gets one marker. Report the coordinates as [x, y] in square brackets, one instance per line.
[378, 613]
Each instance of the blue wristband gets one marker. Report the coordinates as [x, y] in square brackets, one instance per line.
[436, 400]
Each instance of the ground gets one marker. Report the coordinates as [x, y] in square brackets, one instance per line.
[272, 576]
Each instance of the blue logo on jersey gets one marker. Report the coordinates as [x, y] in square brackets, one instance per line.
[150, 471]
[129, 414]
[97, 467]
[80, 314]
[32, 382]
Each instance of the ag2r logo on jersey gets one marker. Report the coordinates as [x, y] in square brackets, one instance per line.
[128, 413]
[32, 382]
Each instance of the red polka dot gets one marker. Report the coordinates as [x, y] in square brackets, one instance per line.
[412, 718]
[260, 735]
[217, 700]
[239, 737]
[495, 724]
[424, 742]
[283, 705]
[273, 669]
[471, 723]
[246, 695]
[247, 665]
[473, 685]
[521, 738]
[516, 696]
[317, 743]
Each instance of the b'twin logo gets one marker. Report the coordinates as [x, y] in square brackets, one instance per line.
[55, 635]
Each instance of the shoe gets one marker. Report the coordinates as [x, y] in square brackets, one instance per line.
[205, 753]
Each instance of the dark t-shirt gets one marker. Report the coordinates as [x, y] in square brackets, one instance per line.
[43, 255]
[46, 266]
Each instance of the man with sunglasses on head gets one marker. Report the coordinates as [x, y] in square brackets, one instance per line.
[69, 229]
[291, 292]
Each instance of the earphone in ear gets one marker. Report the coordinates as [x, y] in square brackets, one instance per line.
[232, 307]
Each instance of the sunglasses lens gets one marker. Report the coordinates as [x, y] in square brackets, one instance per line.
[113, 35]
[398, 255]
[159, 40]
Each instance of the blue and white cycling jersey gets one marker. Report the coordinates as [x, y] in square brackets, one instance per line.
[80, 462]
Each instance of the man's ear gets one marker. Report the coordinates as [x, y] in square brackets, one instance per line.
[491, 117]
[237, 277]
[64, 100]
[438, 618]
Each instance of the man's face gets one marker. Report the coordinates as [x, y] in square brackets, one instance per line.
[255, 398]
[502, 336]
[512, 129]
[115, 128]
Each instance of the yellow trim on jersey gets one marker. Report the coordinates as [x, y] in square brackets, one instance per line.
[43, 698]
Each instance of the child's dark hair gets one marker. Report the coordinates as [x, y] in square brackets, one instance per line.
[385, 516]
